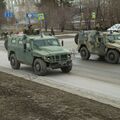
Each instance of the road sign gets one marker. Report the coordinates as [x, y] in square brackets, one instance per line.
[37, 16]
[32, 15]
[8, 14]
[93, 15]
[29, 15]
[41, 16]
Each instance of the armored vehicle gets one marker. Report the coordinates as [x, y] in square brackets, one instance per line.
[41, 52]
[103, 44]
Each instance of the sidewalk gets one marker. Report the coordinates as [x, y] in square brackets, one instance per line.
[26, 100]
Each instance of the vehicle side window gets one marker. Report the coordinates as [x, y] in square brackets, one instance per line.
[20, 42]
[110, 37]
[13, 41]
[28, 46]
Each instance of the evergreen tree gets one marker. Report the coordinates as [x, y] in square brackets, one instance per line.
[2, 9]
[2, 4]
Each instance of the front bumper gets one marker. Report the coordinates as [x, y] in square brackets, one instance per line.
[60, 64]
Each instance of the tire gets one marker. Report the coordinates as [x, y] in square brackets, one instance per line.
[76, 38]
[85, 54]
[101, 57]
[66, 69]
[112, 56]
[15, 64]
[39, 67]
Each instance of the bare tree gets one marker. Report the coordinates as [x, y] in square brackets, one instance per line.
[57, 12]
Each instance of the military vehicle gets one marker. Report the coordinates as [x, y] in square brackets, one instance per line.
[103, 44]
[39, 51]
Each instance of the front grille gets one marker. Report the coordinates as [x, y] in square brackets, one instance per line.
[63, 57]
[58, 58]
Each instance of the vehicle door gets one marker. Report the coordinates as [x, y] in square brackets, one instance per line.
[91, 43]
[100, 45]
[28, 53]
[20, 50]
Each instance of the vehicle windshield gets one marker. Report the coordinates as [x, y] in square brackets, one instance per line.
[114, 37]
[48, 42]
[117, 37]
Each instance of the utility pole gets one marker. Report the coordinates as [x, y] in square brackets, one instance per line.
[98, 14]
[80, 14]
[28, 10]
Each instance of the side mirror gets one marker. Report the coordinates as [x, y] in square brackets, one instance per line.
[62, 43]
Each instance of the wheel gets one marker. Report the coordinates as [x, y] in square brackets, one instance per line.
[14, 62]
[66, 69]
[112, 56]
[39, 67]
[85, 54]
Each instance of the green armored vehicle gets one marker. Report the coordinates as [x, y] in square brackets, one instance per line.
[103, 44]
[41, 52]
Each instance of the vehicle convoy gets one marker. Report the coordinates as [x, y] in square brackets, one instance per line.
[41, 52]
[103, 44]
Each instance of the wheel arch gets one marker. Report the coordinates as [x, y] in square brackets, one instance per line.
[112, 49]
[43, 68]
[83, 45]
[10, 53]
[116, 58]
[35, 57]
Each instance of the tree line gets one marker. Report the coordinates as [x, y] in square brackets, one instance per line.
[59, 13]
[107, 12]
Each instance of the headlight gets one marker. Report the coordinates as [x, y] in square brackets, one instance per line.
[47, 58]
[69, 56]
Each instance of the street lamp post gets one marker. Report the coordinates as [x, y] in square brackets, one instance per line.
[13, 10]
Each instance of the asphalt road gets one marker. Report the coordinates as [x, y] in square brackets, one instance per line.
[94, 79]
